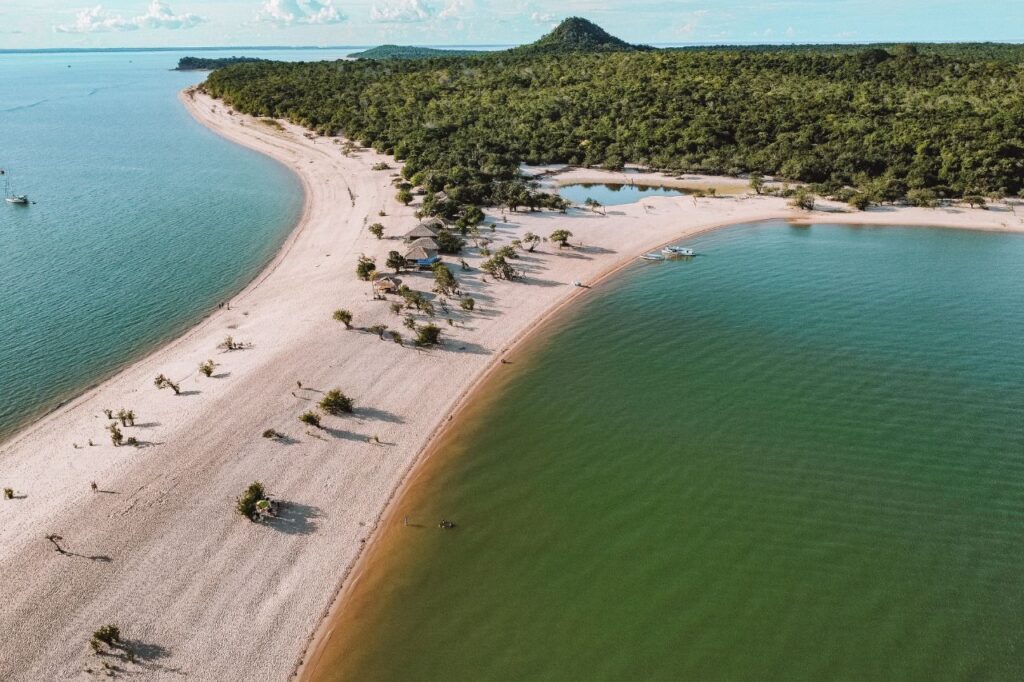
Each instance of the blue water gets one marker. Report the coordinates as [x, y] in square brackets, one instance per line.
[613, 194]
[143, 221]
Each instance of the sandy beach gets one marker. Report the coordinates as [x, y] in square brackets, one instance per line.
[158, 549]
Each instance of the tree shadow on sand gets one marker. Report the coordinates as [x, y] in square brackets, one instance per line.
[295, 519]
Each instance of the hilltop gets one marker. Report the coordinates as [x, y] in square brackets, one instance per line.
[578, 35]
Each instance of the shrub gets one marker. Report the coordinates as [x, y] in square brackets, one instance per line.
[108, 634]
[378, 329]
[163, 382]
[206, 368]
[802, 199]
[126, 417]
[246, 503]
[396, 308]
[396, 337]
[343, 316]
[449, 242]
[335, 402]
[8, 493]
[132, 441]
[404, 196]
[859, 201]
[377, 230]
[271, 433]
[428, 335]
[310, 419]
[116, 437]
[381, 166]
[467, 303]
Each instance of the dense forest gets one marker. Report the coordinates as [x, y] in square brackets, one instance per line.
[925, 120]
[409, 52]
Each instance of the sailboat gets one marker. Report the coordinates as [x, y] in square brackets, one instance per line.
[20, 199]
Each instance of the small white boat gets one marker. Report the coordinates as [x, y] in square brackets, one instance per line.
[20, 199]
[677, 251]
[652, 256]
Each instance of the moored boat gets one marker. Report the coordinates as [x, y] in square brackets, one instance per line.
[677, 251]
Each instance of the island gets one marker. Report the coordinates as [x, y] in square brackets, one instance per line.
[410, 52]
[211, 63]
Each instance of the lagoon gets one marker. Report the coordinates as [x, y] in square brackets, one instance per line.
[796, 457]
[614, 194]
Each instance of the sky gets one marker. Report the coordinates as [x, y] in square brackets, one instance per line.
[195, 23]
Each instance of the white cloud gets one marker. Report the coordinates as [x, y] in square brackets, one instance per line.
[542, 18]
[158, 15]
[288, 12]
[402, 12]
[455, 9]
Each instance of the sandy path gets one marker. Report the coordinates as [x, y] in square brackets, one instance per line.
[198, 590]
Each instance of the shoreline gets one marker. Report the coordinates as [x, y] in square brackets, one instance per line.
[169, 586]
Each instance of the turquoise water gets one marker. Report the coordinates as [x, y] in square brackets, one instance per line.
[614, 195]
[144, 220]
[798, 457]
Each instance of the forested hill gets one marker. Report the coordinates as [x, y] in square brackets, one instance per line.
[205, 64]
[948, 120]
[409, 52]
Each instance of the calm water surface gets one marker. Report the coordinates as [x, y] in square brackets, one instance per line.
[799, 456]
[614, 195]
[144, 220]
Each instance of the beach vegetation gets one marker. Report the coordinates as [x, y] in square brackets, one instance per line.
[229, 343]
[924, 198]
[395, 261]
[467, 303]
[206, 368]
[310, 418]
[272, 434]
[116, 435]
[378, 329]
[859, 200]
[162, 382]
[497, 267]
[381, 166]
[975, 200]
[396, 337]
[126, 417]
[335, 402]
[377, 230]
[449, 242]
[444, 281]
[560, 237]
[531, 240]
[428, 335]
[247, 503]
[404, 197]
[107, 634]
[343, 316]
[803, 199]
[397, 308]
[364, 267]
[757, 183]
[8, 493]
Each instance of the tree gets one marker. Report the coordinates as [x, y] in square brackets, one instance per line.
[163, 382]
[561, 237]
[310, 419]
[404, 196]
[974, 200]
[757, 183]
[924, 198]
[395, 261]
[449, 242]
[344, 316]
[428, 335]
[365, 266]
[499, 268]
[206, 368]
[859, 201]
[377, 230]
[126, 417]
[444, 281]
[531, 240]
[335, 402]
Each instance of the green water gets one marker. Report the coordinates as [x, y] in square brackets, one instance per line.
[799, 456]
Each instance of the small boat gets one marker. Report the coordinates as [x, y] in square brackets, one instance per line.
[652, 256]
[677, 251]
[19, 199]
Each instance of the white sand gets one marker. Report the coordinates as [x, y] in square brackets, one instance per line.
[199, 590]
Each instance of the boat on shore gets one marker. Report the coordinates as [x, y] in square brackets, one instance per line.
[652, 256]
[677, 251]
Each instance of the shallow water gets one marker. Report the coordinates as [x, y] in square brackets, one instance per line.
[144, 219]
[796, 457]
[614, 194]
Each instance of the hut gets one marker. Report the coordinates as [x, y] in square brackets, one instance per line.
[428, 243]
[386, 284]
[421, 257]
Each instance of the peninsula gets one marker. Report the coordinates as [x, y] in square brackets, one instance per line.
[144, 535]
